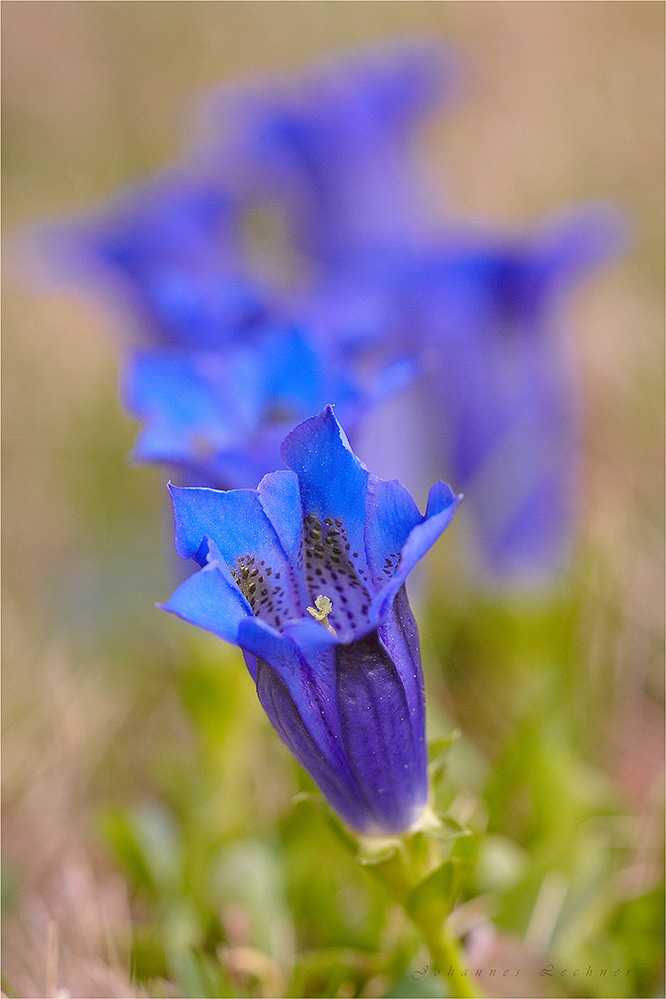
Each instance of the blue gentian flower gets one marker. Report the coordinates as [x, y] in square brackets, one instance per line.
[503, 396]
[307, 575]
[337, 148]
[170, 252]
[222, 415]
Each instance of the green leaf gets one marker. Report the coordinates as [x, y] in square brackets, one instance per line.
[319, 804]
[448, 830]
[145, 841]
[250, 876]
[432, 900]
[148, 960]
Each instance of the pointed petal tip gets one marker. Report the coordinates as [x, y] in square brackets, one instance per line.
[440, 498]
[166, 605]
[309, 427]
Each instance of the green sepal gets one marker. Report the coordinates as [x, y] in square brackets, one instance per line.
[448, 830]
[438, 751]
[431, 902]
[378, 849]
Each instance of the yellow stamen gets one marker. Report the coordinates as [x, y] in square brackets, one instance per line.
[321, 610]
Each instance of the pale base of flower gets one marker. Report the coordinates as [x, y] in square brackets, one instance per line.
[374, 847]
[427, 822]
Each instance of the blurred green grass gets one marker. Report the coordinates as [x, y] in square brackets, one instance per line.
[147, 804]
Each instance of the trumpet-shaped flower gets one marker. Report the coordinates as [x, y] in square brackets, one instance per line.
[222, 415]
[307, 575]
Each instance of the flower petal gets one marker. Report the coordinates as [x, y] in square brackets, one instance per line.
[338, 152]
[168, 248]
[384, 744]
[234, 520]
[332, 480]
[190, 404]
[246, 539]
[280, 500]
[399, 634]
[332, 776]
[391, 516]
[440, 509]
[211, 600]
[582, 238]
[343, 711]
[295, 675]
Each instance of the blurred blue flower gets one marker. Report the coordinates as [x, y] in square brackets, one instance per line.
[336, 149]
[502, 396]
[222, 415]
[170, 252]
[307, 575]
[482, 314]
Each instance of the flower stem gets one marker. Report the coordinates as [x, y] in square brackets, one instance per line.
[447, 959]
[418, 871]
[423, 896]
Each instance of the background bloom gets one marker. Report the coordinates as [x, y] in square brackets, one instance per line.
[221, 416]
[485, 314]
[502, 389]
[347, 700]
[169, 252]
[480, 315]
[336, 148]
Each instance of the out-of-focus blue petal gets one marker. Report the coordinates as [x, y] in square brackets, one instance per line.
[337, 150]
[170, 251]
[354, 313]
[501, 389]
[531, 540]
[201, 310]
[195, 406]
[582, 238]
[223, 415]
